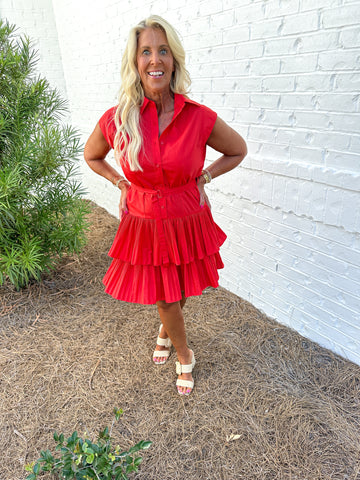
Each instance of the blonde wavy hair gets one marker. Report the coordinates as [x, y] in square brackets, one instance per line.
[128, 138]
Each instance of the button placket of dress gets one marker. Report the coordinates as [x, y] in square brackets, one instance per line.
[160, 200]
[160, 206]
[158, 159]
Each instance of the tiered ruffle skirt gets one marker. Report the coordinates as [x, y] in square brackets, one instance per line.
[159, 258]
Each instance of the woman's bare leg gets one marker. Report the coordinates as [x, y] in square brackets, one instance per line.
[172, 318]
[163, 334]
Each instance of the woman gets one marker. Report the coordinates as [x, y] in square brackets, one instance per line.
[167, 245]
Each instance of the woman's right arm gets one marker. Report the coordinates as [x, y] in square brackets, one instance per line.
[95, 151]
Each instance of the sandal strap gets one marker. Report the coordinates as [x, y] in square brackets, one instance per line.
[184, 368]
[164, 342]
[185, 383]
[161, 353]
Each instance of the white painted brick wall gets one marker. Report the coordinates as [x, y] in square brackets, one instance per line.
[285, 74]
[35, 18]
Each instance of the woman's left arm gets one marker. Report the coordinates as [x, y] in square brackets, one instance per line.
[227, 141]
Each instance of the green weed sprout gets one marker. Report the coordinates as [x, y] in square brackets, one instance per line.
[82, 459]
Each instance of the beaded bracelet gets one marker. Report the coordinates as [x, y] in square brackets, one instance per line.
[118, 181]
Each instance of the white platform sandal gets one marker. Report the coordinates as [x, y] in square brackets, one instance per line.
[163, 342]
[185, 369]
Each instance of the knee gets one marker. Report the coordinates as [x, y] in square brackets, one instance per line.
[166, 307]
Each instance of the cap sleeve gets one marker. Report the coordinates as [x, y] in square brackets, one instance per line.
[107, 126]
[208, 121]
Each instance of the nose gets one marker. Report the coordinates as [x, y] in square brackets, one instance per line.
[155, 58]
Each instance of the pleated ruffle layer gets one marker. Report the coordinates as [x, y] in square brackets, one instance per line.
[157, 259]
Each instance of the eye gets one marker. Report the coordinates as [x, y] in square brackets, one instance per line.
[163, 51]
[146, 51]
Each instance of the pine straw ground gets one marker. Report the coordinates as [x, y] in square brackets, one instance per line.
[69, 354]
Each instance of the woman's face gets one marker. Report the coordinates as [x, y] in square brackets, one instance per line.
[155, 62]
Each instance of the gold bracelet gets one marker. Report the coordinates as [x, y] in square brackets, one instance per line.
[207, 175]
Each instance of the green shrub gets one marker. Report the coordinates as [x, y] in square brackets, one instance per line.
[81, 459]
[42, 215]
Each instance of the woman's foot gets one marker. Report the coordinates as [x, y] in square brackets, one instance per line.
[184, 367]
[162, 349]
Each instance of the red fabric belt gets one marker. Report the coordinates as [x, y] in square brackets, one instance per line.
[165, 191]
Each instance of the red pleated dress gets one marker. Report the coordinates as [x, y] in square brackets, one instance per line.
[167, 243]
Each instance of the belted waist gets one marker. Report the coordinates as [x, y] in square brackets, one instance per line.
[154, 203]
[164, 191]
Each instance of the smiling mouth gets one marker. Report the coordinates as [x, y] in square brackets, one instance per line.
[156, 74]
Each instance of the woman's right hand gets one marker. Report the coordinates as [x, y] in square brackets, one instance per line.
[123, 210]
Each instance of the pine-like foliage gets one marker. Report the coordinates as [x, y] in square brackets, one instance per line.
[42, 215]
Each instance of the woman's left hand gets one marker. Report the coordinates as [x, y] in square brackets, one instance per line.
[203, 197]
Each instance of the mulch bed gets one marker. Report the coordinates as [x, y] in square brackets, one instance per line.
[268, 404]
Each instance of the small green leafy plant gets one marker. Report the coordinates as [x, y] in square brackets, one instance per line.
[81, 459]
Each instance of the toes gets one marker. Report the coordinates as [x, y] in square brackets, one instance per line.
[184, 391]
[159, 360]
